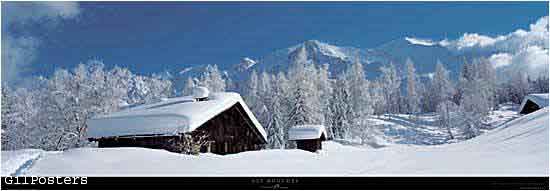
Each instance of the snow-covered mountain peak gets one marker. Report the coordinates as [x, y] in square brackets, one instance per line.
[315, 47]
[246, 63]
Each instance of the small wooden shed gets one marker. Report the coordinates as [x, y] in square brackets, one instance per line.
[533, 102]
[221, 121]
[308, 137]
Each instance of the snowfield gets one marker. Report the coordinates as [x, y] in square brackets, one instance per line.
[15, 162]
[518, 147]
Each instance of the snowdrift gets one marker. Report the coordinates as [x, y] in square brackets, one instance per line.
[517, 148]
[15, 162]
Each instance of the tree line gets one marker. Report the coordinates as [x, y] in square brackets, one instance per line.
[51, 114]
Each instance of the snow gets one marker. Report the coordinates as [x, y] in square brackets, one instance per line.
[15, 162]
[185, 70]
[540, 99]
[247, 62]
[323, 48]
[304, 132]
[172, 116]
[331, 50]
[516, 148]
[200, 92]
[423, 129]
[421, 42]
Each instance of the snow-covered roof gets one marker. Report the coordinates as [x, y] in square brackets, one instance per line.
[171, 116]
[540, 99]
[303, 132]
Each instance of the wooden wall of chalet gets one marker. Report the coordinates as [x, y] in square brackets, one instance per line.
[231, 131]
[311, 145]
[145, 141]
[529, 107]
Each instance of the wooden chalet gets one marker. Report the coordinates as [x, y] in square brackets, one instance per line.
[308, 137]
[533, 102]
[220, 123]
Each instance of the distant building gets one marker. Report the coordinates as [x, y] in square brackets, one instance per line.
[222, 121]
[308, 137]
[533, 102]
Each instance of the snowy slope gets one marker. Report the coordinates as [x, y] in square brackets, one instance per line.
[15, 162]
[519, 147]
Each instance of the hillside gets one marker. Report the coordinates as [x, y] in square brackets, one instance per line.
[519, 147]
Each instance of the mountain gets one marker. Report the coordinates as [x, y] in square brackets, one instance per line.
[423, 53]
[319, 52]
[424, 56]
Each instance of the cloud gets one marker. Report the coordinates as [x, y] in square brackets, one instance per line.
[17, 54]
[523, 50]
[500, 59]
[517, 40]
[422, 42]
[19, 51]
[23, 12]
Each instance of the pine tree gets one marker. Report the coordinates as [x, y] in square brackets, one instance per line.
[441, 87]
[390, 83]
[413, 99]
[252, 95]
[189, 86]
[304, 108]
[342, 111]
[275, 125]
[445, 112]
[213, 79]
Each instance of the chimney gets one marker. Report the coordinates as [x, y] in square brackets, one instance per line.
[200, 93]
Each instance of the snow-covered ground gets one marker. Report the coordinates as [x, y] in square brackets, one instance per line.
[424, 130]
[15, 162]
[519, 147]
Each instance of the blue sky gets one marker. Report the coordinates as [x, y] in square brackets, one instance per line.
[153, 36]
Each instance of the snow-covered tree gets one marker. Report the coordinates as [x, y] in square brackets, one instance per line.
[304, 97]
[441, 88]
[282, 88]
[359, 85]
[377, 96]
[477, 98]
[413, 97]
[265, 94]
[445, 111]
[189, 86]
[325, 89]
[539, 84]
[390, 83]
[212, 79]
[252, 95]
[275, 125]
[342, 111]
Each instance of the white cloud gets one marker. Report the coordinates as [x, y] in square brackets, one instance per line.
[520, 39]
[519, 50]
[533, 60]
[500, 59]
[470, 40]
[18, 52]
[23, 12]
[422, 42]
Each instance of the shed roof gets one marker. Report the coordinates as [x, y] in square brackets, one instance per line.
[304, 132]
[540, 99]
[170, 116]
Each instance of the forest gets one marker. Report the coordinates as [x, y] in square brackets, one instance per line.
[51, 114]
